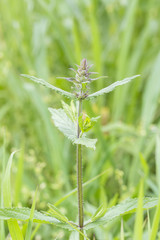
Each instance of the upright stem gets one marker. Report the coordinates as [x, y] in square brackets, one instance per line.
[79, 175]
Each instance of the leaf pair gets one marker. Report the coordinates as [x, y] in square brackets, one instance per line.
[101, 217]
[71, 95]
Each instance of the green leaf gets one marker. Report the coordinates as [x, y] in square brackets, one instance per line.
[122, 230]
[14, 230]
[156, 221]
[86, 123]
[19, 176]
[138, 227]
[13, 226]
[7, 184]
[23, 214]
[157, 155]
[100, 212]
[149, 223]
[126, 207]
[68, 128]
[64, 123]
[48, 85]
[2, 227]
[88, 142]
[70, 110]
[111, 87]
[144, 165]
[56, 213]
[30, 223]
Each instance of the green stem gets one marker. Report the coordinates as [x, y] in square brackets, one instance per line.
[79, 175]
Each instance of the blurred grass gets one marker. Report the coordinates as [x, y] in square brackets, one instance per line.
[44, 38]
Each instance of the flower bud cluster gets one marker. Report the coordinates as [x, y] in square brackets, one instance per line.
[82, 79]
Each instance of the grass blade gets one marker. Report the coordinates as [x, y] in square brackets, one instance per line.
[30, 223]
[2, 229]
[149, 223]
[7, 184]
[122, 230]
[138, 227]
[155, 224]
[75, 190]
[123, 57]
[157, 155]
[19, 176]
[13, 226]
[151, 94]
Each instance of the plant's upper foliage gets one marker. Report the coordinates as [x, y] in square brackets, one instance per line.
[81, 83]
[66, 119]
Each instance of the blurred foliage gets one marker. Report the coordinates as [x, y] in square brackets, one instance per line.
[44, 38]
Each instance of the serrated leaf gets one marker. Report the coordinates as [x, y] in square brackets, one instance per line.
[68, 128]
[23, 214]
[111, 87]
[48, 85]
[64, 123]
[88, 142]
[126, 207]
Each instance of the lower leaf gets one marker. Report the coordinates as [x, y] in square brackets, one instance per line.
[126, 207]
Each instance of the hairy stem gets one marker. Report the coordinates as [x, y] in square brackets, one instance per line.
[79, 175]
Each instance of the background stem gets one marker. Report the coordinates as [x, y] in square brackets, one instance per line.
[79, 175]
